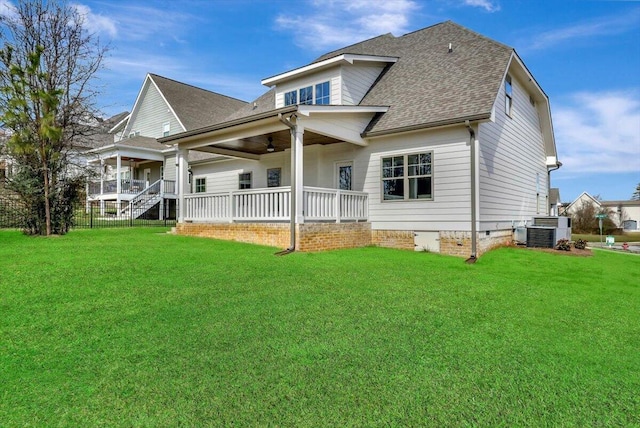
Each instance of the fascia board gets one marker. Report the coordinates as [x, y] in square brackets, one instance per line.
[349, 58]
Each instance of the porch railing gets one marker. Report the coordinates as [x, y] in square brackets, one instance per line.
[128, 186]
[273, 204]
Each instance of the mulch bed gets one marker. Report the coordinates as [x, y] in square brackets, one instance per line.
[574, 251]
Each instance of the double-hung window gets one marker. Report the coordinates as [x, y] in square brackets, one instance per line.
[407, 177]
[201, 185]
[244, 181]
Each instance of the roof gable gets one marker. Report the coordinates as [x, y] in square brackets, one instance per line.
[195, 107]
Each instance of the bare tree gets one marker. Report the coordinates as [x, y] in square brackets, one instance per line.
[636, 194]
[47, 65]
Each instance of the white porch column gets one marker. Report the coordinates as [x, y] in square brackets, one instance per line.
[297, 173]
[118, 179]
[101, 176]
[182, 179]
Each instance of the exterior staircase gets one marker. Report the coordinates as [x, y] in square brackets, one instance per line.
[143, 201]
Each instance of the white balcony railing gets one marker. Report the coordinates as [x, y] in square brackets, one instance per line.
[273, 204]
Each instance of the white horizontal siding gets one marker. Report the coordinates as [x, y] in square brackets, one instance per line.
[356, 81]
[511, 156]
[151, 114]
[170, 167]
[449, 209]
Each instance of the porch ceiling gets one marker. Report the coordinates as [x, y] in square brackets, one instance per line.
[257, 145]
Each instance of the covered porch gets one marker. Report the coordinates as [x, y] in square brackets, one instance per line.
[281, 133]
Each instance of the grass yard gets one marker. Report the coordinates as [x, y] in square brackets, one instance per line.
[133, 327]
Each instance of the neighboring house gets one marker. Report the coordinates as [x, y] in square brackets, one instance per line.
[440, 140]
[135, 170]
[555, 204]
[624, 214]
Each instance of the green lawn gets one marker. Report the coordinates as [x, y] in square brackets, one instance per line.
[134, 327]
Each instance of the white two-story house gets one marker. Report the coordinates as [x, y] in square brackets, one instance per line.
[137, 173]
[439, 140]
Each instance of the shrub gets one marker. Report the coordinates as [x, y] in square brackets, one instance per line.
[563, 245]
[580, 244]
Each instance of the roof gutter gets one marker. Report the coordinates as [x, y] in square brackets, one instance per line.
[228, 124]
[436, 124]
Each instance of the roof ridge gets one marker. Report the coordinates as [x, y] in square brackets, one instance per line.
[353, 44]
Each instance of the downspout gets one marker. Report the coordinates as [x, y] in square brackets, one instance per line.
[557, 166]
[472, 136]
[292, 207]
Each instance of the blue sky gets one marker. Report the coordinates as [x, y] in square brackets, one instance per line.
[584, 53]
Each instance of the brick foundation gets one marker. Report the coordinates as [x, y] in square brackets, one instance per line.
[332, 236]
[400, 239]
[272, 234]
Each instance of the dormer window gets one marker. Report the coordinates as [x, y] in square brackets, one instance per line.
[323, 95]
[306, 95]
[291, 98]
[315, 94]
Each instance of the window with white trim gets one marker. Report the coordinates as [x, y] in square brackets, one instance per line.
[201, 185]
[323, 94]
[407, 177]
[508, 92]
[244, 180]
[306, 95]
[166, 129]
[291, 98]
[315, 94]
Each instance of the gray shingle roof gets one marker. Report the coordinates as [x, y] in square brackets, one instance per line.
[428, 85]
[143, 142]
[196, 107]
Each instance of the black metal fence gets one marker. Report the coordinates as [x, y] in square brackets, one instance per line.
[99, 214]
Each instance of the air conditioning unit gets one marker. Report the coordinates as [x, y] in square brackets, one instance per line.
[546, 231]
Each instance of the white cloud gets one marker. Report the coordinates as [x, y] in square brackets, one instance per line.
[603, 26]
[599, 132]
[488, 5]
[96, 23]
[7, 9]
[333, 23]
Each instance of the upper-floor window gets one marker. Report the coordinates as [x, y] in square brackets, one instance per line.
[322, 93]
[508, 91]
[407, 177]
[315, 94]
[291, 98]
[166, 129]
[244, 181]
[306, 95]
